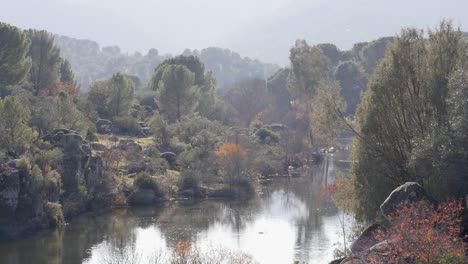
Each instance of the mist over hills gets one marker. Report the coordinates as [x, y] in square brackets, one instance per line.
[259, 29]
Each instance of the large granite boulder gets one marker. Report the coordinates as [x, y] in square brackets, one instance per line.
[367, 239]
[104, 126]
[407, 193]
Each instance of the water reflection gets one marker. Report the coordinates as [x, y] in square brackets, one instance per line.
[288, 222]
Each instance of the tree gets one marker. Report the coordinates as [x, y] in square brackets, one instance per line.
[14, 64]
[176, 95]
[121, 94]
[67, 76]
[46, 62]
[326, 115]
[15, 134]
[309, 67]
[353, 81]
[249, 98]
[232, 158]
[112, 97]
[203, 82]
[401, 121]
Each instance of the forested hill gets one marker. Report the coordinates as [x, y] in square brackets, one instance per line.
[91, 62]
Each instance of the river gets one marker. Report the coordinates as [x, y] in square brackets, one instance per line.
[288, 222]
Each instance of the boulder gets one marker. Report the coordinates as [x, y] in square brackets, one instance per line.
[409, 192]
[104, 126]
[129, 145]
[171, 157]
[337, 261]
[98, 147]
[367, 239]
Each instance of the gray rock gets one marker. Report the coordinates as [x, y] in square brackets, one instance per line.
[104, 126]
[367, 239]
[9, 190]
[409, 192]
[171, 157]
[98, 147]
[129, 145]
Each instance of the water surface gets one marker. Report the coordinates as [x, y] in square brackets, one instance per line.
[288, 222]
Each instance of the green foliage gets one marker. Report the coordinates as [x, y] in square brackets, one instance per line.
[402, 121]
[14, 64]
[145, 181]
[326, 115]
[112, 97]
[57, 112]
[308, 69]
[265, 135]
[49, 158]
[127, 125]
[66, 74]
[15, 134]
[353, 82]
[188, 181]
[46, 62]
[176, 95]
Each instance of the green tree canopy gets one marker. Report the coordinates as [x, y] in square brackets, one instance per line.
[112, 97]
[402, 121]
[176, 95]
[46, 62]
[15, 134]
[14, 63]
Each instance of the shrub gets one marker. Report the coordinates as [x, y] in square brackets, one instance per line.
[187, 181]
[127, 125]
[53, 186]
[49, 158]
[54, 214]
[91, 136]
[423, 234]
[266, 136]
[145, 181]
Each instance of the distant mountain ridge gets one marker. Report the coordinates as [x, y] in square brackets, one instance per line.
[90, 62]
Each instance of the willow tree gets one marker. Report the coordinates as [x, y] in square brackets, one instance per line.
[402, 112]
[14, 63]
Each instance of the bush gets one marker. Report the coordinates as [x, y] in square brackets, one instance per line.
[188, 185]
[91, 136]
[54, 214]
[127, 125]
[266, 136]
[145, 181]
[49, 158]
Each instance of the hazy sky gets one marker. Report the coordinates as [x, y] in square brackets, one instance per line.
[262, 29]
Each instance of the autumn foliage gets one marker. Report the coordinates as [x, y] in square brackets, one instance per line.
[422, 234]
[232, 158]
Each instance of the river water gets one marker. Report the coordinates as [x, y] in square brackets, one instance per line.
[288, 222]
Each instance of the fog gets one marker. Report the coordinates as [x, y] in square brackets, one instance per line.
[262, 29]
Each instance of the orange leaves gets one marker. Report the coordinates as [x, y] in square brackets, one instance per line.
[228, 151]
[424, 234]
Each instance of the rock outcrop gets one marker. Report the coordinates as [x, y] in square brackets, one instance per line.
[9, 190]
[409, 192]
[104, 126]
[367, 239]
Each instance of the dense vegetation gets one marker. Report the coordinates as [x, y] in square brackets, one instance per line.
[211, 124]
